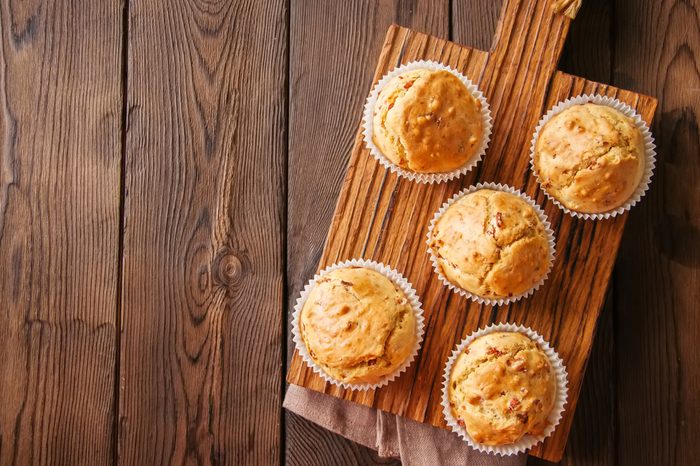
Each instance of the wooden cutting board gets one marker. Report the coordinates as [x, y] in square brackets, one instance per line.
[383, 217]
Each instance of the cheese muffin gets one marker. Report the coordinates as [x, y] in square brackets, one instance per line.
[501, 388]
[491, 244]
[357, 325]
[427, 121]
[590, 158]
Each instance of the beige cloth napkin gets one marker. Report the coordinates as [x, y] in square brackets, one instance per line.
[390, 435]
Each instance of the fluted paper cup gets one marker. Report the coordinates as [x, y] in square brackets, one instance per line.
[399, 281]
[368, 126]
[649, 152]
[555, 415]
[475, 297]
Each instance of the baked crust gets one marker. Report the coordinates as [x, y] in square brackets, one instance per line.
[357, 325]
[492, 244]
[502, 387]
[590, 157]
[427, 121]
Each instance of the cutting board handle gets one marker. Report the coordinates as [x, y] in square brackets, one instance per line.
[538, 26]
[529, 40]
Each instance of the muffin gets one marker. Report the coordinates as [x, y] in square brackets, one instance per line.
[590, 158]
[357, 325]
[502, 387]
[491, 244]
[427, 121]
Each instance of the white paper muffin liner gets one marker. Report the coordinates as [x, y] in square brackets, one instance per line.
[399, 281]
[527, 441]
[474, 297]
[649, 152]
[368, 126]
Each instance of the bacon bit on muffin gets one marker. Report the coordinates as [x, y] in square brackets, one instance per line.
[494, 351]
[517, 364]
[499, 220]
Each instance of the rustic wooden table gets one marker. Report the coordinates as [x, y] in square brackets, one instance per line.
[168, 171]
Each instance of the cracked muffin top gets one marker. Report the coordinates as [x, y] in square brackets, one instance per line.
[590, 157]
[502, 387]
[357, 325]
[427, 121]
[491, 244]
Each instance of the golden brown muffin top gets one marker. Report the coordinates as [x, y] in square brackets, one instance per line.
[590, 157]
[501, 388]
[357, 325]
[427, 121]
[492, 244]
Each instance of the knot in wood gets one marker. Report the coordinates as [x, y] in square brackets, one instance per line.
[228, 268]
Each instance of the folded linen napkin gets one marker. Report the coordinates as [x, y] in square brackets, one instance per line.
[392, 436]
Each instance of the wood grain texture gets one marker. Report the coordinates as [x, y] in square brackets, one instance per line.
[60, 99]
[326, 99]
[308, 445]
[375, 217]
[474, 22]
[593, 439]
[658, 274]
[201, 362]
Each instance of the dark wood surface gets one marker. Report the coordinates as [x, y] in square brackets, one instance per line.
[657, 288]
[201, 345]
[60, 164]
[296, 73]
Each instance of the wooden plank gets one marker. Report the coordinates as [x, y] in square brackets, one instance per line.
[201, 359]
[582, 271]
[60, 92]
[326, 99]
[474, 22]
[658, 272]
